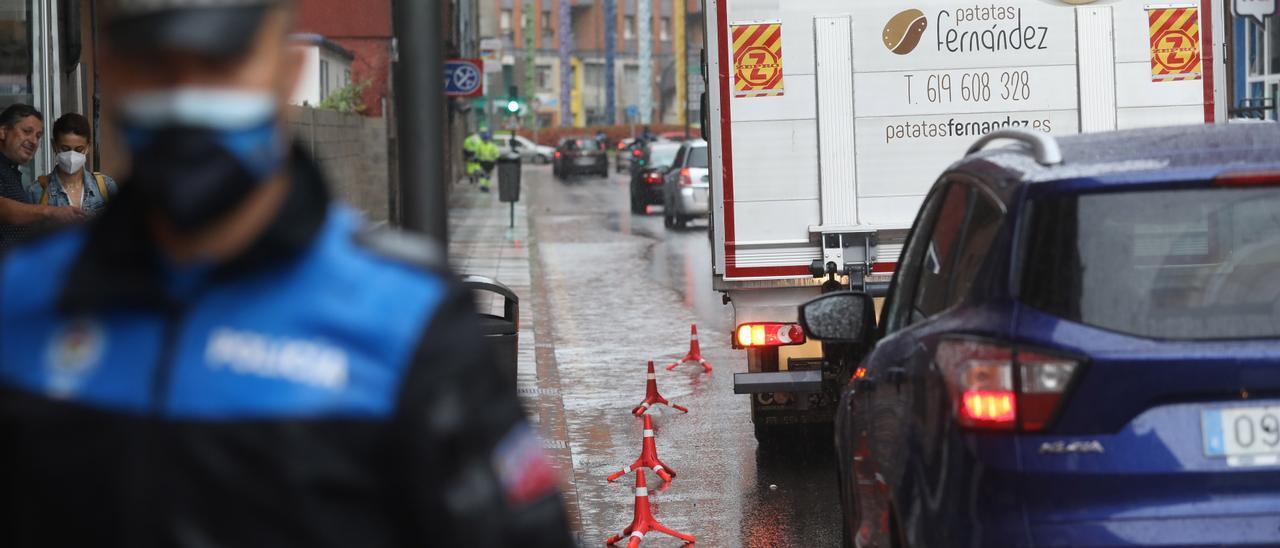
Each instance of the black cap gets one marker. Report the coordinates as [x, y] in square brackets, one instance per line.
[217, 28]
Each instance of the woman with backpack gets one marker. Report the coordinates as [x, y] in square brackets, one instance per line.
[70, 184]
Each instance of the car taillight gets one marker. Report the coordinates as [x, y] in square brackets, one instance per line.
[993, 407]
[1253, 178]
[557, 154]
[621, 145]
[995, 386]
[685, 178]
[751, 335]
[652, 178]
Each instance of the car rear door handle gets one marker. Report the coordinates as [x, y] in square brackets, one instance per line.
[896, 375]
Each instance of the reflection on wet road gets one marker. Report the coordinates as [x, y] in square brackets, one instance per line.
[623, 290]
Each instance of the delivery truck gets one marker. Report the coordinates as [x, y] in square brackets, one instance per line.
[828, 121]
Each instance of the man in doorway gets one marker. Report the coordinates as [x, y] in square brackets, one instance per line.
[21, 129]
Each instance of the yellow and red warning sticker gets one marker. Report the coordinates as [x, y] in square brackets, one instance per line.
[1175, 43]
[757, 59]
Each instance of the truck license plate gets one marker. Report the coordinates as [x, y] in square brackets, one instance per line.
[1245, 436]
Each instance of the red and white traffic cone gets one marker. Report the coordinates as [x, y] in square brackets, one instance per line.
[652, 397]
[648, 458]
[695, 352]
[644, 522]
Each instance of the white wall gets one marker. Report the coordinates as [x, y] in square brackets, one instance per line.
[338, 70]
[310, 87]
[308, 90]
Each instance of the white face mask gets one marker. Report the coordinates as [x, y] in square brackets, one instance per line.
[70, 161]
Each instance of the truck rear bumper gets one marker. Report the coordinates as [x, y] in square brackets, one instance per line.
[778, 381]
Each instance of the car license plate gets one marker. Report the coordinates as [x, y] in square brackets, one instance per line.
[1245, 436]
[585, 161]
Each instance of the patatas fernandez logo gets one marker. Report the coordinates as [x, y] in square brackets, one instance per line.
[902, 33]
[973, 30]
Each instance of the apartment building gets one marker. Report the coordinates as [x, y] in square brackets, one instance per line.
[505, 23]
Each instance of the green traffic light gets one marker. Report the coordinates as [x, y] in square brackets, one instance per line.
[513, 106]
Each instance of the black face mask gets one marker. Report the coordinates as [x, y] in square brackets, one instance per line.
[197, 153]
[190, 177]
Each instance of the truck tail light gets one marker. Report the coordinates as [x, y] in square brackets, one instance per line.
[754, 335]
[1257, 178]
[653, 178]
[685, 178]
[995, 386]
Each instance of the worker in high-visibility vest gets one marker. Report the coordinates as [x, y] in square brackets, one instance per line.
[471, 154]
[487, 155]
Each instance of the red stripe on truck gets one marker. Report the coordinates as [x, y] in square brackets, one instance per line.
[731, 268]
[1206, 57]
[883, 268]
[726, 133]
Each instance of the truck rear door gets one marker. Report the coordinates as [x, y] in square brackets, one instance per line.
[835, 118]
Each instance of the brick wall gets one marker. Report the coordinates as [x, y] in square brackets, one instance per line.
[352, 151]
[365, 30]
[372, 63]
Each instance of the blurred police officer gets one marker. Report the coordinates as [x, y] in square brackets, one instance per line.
[224, 358]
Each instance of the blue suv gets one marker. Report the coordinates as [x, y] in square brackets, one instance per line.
[1080, 347]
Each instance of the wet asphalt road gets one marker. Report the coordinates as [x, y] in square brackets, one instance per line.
[622, 290]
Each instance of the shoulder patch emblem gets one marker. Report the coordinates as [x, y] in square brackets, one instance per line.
[73, 352]
[522, 466]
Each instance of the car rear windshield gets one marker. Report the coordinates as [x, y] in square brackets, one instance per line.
[1173, 264]
[662, 155]
[697, 157]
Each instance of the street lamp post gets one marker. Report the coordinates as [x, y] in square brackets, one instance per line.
[420, 116]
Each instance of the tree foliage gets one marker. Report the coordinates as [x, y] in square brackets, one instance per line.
[346, 99]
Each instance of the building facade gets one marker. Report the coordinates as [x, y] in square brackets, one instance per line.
[365, 33]
[506, 23]
[326, 68]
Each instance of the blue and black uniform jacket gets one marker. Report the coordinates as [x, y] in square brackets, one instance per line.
[329, 387]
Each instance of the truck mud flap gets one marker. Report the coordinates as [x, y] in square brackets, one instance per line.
[779, 381]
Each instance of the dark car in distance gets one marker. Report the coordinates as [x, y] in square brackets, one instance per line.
[626, 150]
[648, 173]
[577, 155]
[1080, 347]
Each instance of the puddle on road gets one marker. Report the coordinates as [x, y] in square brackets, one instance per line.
[624, 290]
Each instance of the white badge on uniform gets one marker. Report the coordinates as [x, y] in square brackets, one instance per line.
[74, 351]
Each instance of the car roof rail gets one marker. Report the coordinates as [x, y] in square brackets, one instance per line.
[1043, 145]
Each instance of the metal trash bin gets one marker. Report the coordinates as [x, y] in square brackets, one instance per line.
[502, 332]
[509, 178]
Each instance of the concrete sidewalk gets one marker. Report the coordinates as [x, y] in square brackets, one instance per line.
[482, 243]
